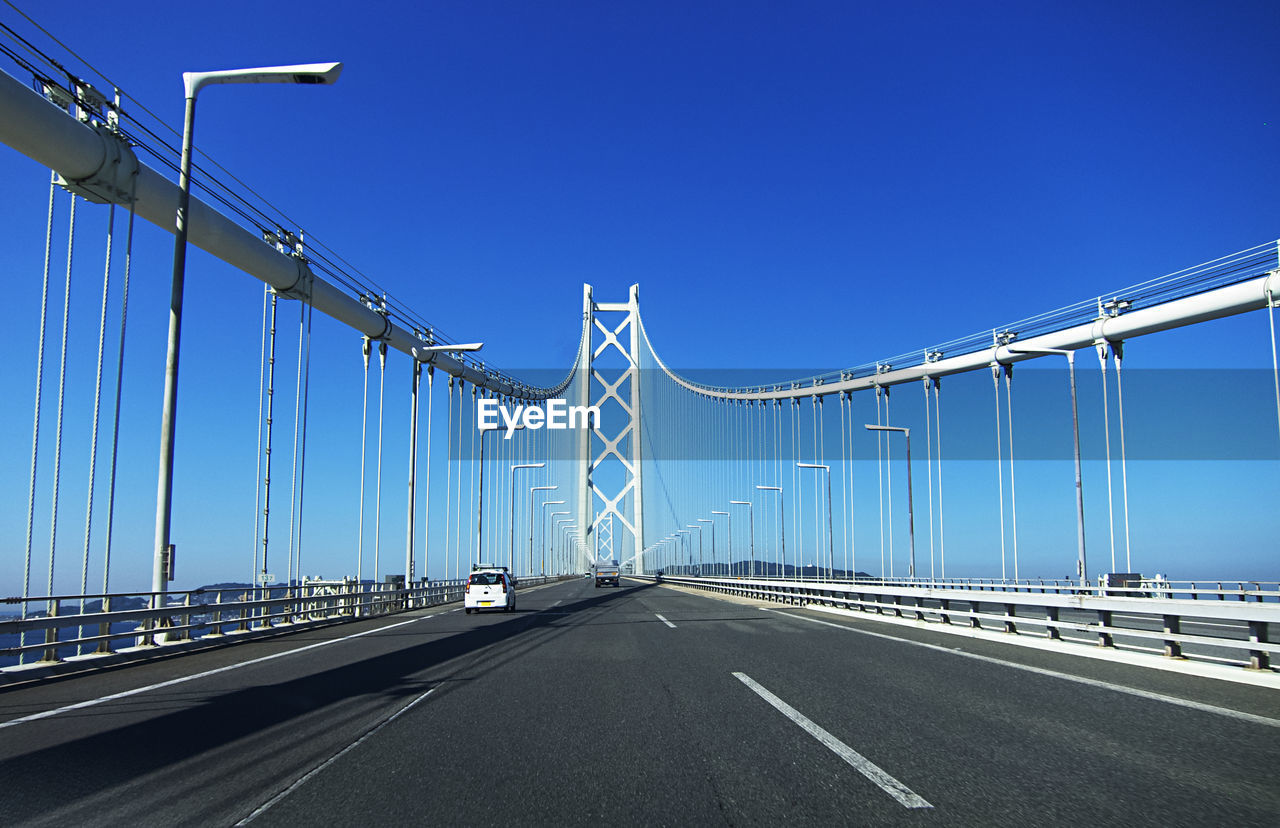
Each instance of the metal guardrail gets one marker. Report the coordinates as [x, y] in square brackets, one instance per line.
[205, 615]
[1222, 624]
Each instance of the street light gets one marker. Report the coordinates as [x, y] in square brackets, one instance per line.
[425, 353]
[699, 528]
[683, 533]
[911, 521]
[511, 563]
[533, 489]
[831, 552]
[546, 521]
[782, 521]
[751, 530]
[564, 525]
[713, 540]
[531, 517]
[729, 519]
[1082, 568]
[313, 73]
[557, 540]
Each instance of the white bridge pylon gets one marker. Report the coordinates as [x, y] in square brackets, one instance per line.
[620, 441]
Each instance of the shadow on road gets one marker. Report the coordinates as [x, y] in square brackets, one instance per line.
[242, 723]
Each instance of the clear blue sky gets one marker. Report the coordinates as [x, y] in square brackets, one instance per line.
[806, 185]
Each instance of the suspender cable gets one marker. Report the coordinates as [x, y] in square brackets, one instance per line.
[880, 473]
[795, 490]
[448, 486]
[928, 431]
[266, 477]
[1013, 488]
[377, 496]
[853, 534]
[97, 409]
[302, 459]
[1103, 354]
[471, 477]
[366, 350]
[844, 489]
[257, 467]
[410, 529]
[426, 496]
[62, 388]
[1118, 349]
[35, 427]
[888, 477]
[942, 535]
[995, 378]
[457, 514]
[115, 425]
[782, 534]
[818, 451]
[297, 424]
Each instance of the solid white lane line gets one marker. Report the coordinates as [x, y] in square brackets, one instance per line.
[665, 621]
[303, 779]
[905, 796]
[125, 694]
[1119, 688]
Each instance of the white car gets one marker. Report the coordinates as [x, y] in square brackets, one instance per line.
[490, 589]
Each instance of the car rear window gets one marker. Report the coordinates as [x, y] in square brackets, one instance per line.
[486, 578]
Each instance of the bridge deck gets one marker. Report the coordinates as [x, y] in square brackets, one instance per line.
[625, 705]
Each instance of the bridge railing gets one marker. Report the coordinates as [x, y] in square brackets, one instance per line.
[62, 627]
[1224, 623]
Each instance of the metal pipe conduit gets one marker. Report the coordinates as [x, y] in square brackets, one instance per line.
[48, 135]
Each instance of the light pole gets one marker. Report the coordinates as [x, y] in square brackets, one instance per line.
[782, 521]
[547, 521]
[699, 528]
[831, 553]
[729, 520]
[1082, 568]
[751, 530]
[911, 521]
[557, 542]
[426, 353]
[683, 533]
[511, 563]
[713, 540]
[533, 489]
[193, 82]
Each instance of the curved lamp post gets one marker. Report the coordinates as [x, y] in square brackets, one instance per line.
[193, 82]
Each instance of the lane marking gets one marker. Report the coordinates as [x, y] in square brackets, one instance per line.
[665, 621]
[171, 682]
[1106, 685]
[303, 779]
[557, 603]
[905, 796]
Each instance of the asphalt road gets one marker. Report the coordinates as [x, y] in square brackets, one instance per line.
[646, 705]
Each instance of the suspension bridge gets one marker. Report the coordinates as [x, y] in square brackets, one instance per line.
[830, 607]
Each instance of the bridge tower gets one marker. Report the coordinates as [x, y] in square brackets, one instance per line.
[611, 462]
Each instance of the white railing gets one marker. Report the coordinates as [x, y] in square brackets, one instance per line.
[1224, 622]
[56, 629]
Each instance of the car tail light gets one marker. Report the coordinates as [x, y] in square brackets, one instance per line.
[467, 588]
[504, 585]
